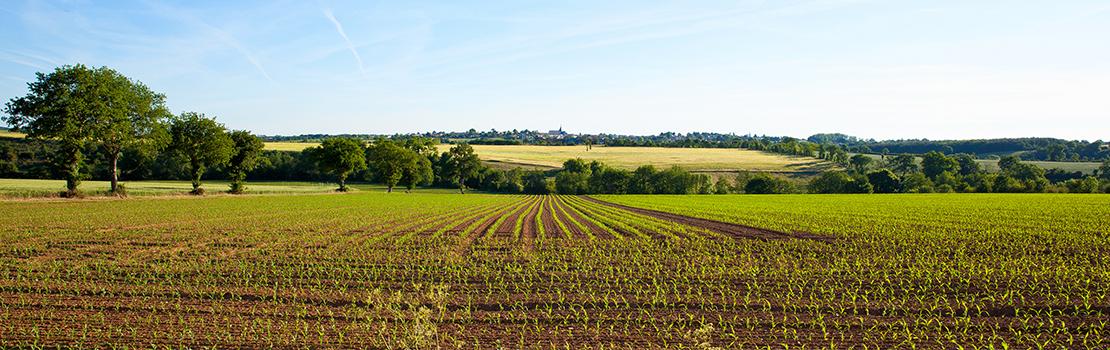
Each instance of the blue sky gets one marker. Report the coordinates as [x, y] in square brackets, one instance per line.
[876, 69]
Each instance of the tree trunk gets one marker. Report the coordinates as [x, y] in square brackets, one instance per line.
[389, 189]
[343, 182]
[115, 172]
[198, 170]
[461, 186]
[72, 167]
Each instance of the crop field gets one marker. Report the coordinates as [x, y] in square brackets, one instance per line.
[693, 159]
[486, 271]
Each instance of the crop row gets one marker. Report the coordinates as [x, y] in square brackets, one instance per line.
[375, 270]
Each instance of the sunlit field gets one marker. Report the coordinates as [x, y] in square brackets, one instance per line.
[482, 271]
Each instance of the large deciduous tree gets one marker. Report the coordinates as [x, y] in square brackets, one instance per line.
[860, 162]
[461, 164]
[340, 157]
[387, 161]
[935, 163]
[77, 104]
[904, 164]
[202, 142]
[136, 121]
[244, 157]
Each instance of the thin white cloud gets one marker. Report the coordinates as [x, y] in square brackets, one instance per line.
[343, 34]
[221, 34]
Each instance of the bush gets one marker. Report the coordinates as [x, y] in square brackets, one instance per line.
[767, 184]
[1087, 184]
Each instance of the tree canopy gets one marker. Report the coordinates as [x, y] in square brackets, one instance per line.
[339, 156]
[202, 142]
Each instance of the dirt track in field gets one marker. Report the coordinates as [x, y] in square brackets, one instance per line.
[730, 229]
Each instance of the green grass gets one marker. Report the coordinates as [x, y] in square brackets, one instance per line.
[47, 188]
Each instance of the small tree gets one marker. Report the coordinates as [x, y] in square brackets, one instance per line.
[244, 157]
[340, 157]
[202, 142]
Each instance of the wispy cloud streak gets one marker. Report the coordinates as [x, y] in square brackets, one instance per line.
[343, 34]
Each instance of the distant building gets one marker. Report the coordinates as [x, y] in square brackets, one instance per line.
[555, 134]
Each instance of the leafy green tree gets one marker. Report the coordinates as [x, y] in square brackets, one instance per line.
[1087, 184]
[244, 158]
[417, 170]
[1104, 170]
[421, 145]
[860, 162]
[859, 184]
[884, 181]
[1007, 162]
[916, 183]
[609, 180]
[1031, 176]
[387, 162]
[830, 182]
[569, 182]
[136, 121]
[967, 164]
[339, 156]
[537, 183]
[904, 164]
[1004, 184]
[576, 165]
[643, 180]
[202, 142]
[722, 186]
[767, 184]
[64, 106]
[461, 164]
[982, 182]
[935, 163]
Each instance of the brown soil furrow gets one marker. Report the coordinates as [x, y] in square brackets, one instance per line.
[507, 227]
[550, 228]
[470, 219]
[528, 230]
[594, 228]
[734, 230]
[561, 214]
[487, 221]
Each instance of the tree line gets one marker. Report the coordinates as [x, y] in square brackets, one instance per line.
[86, 122]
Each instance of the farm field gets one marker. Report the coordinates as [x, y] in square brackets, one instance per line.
[484, 271]
[693, 159]
[991, 165]
[45, 188]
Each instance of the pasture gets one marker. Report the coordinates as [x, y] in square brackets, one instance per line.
[483, 271]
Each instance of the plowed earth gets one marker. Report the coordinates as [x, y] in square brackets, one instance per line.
[473, 271]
